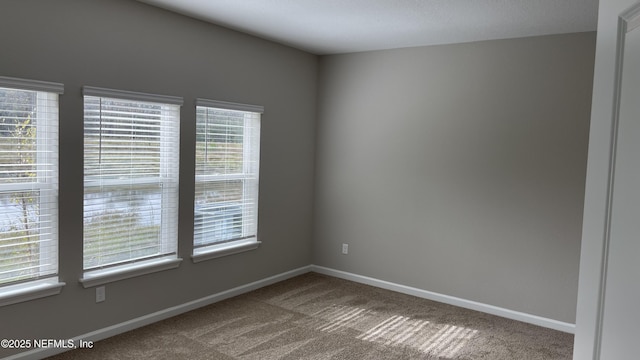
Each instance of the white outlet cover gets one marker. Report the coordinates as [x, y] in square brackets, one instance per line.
[100, 294]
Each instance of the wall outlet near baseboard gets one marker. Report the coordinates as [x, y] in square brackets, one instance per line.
[345, 249]
[101, 294]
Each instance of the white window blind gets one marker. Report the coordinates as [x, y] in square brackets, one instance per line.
[28, 180]
[227, 167]
[131, 152]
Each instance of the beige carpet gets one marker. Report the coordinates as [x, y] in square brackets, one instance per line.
[319, 317]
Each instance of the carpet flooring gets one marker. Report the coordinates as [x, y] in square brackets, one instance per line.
[318, 317]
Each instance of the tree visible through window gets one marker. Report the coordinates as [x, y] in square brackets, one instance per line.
[28, 184]
[227, 164]
[130, 180]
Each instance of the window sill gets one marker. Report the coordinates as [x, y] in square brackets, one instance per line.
[29, 291]
[216, 251]
[104, 276]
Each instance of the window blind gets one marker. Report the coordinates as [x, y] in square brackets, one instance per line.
[28, 180]
[131, 157]
[227, 168]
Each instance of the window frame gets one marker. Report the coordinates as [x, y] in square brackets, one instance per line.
[47, 282]
[249, 242]
[168, 258]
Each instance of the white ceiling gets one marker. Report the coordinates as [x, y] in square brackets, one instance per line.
[342, 26]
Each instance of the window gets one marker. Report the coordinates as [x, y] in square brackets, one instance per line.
[226, 179]
[28, 189]
[131, 146]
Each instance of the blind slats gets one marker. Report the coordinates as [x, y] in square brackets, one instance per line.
[28, 180]
[131, 178]
[227, 167]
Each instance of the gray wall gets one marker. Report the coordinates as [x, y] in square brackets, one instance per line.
[458, 169]
[127, 45]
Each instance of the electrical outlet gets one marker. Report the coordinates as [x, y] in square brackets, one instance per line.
[345, 249]
[100, 294]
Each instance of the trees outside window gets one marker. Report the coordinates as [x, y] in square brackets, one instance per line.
[28, 184]
[131, 147]
[227, 169]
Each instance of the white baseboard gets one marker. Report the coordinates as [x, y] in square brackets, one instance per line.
[451, 300]
[192, 305]
[161, 315]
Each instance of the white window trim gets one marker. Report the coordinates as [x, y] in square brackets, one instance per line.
[116, 273]
[214, 251]
[33, 85]
[229, 105]
[96, 277]
[224, 249]
[33, 289]
[47, 191]
[130, 95]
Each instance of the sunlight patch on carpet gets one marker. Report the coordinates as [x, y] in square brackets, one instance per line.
[336, 317]
[398, 330]
[442, 340]
[448, 341]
